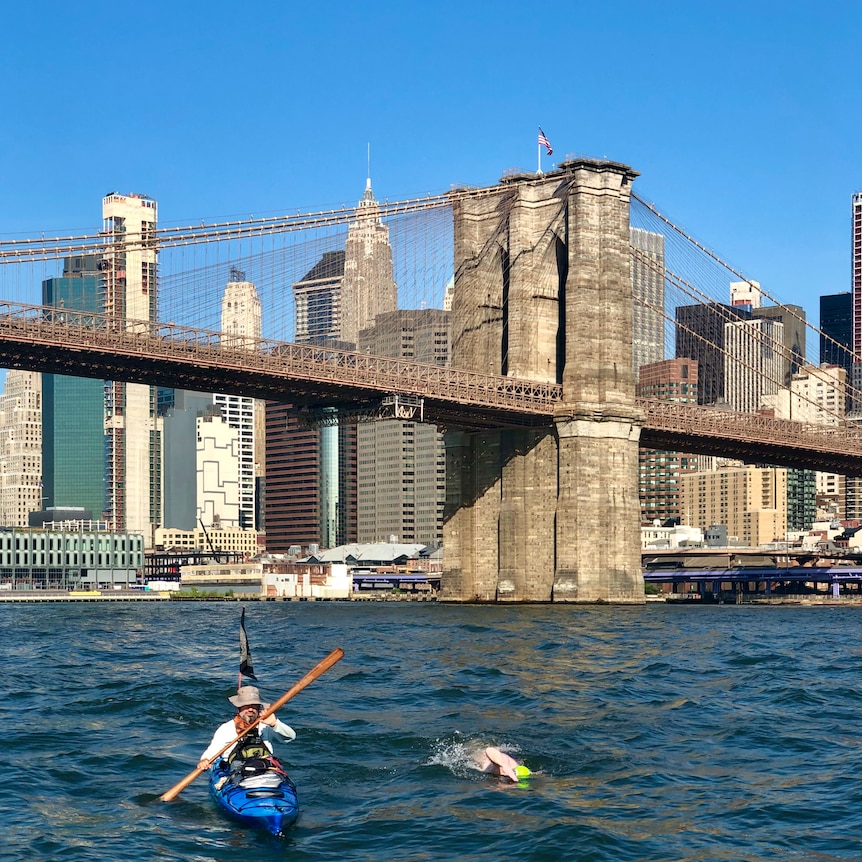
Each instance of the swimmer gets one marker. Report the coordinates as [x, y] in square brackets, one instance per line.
[496, 762]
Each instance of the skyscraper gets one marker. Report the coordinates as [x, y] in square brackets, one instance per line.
[856, 272]
[132, 426]
[368, 288]
[401, 466]
[792, 347]
[179, 438]
[836, 348]
[318, 300]
[700, 334]
[20, 448]
[311, 471]
[836, 328]
[816, 396]
[341, 295]
[218, 470]
[750, 501]
[648, 290]
[853, 484]
[292, 480]
[241, 327]
[73, 408]
[659, 471]
[753, 364]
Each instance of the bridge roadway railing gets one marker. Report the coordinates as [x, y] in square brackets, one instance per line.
[88, 344]
[751, 436]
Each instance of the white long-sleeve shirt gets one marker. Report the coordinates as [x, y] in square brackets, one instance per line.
[227, 731]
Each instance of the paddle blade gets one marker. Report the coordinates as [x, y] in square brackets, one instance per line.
[180, 786]
[245, 666]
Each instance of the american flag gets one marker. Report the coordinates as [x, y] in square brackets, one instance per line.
[544, 142]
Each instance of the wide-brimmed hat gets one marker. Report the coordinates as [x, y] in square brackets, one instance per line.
[246, 695]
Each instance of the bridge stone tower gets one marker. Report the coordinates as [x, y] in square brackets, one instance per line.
[543, 291]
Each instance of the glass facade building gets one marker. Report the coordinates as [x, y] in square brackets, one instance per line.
[73, 425]
[836, 331]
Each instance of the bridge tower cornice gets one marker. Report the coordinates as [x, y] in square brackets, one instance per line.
[606, 169]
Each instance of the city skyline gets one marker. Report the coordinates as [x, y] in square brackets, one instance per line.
[726, 148]
[130, 288]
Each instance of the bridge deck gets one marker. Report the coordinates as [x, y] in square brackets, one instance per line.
[91, 345]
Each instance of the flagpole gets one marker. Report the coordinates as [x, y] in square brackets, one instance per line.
[538, 156]
[542, 141]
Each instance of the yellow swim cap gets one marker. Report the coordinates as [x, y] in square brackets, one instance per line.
[522, 772]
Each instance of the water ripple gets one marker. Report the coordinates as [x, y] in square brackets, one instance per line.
[658, 733]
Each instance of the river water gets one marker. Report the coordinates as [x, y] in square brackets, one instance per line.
[656, 733]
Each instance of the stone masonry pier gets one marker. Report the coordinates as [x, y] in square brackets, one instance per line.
[543, 291]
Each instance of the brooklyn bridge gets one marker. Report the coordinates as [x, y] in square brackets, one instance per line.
[544, 275]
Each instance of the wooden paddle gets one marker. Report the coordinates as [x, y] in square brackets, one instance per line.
[310, 677]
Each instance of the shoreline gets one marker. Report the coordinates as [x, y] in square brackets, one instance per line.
[54, 596]
[115, 596]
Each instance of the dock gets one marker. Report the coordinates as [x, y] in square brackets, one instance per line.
[42, 596]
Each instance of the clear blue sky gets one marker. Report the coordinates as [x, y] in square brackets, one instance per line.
[743, 118]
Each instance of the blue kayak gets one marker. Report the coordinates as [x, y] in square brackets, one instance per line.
[258, 793]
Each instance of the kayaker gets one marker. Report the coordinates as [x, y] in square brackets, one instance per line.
[248, 705]
[496, 762]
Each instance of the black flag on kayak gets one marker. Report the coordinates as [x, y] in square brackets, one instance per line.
[245, 666]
